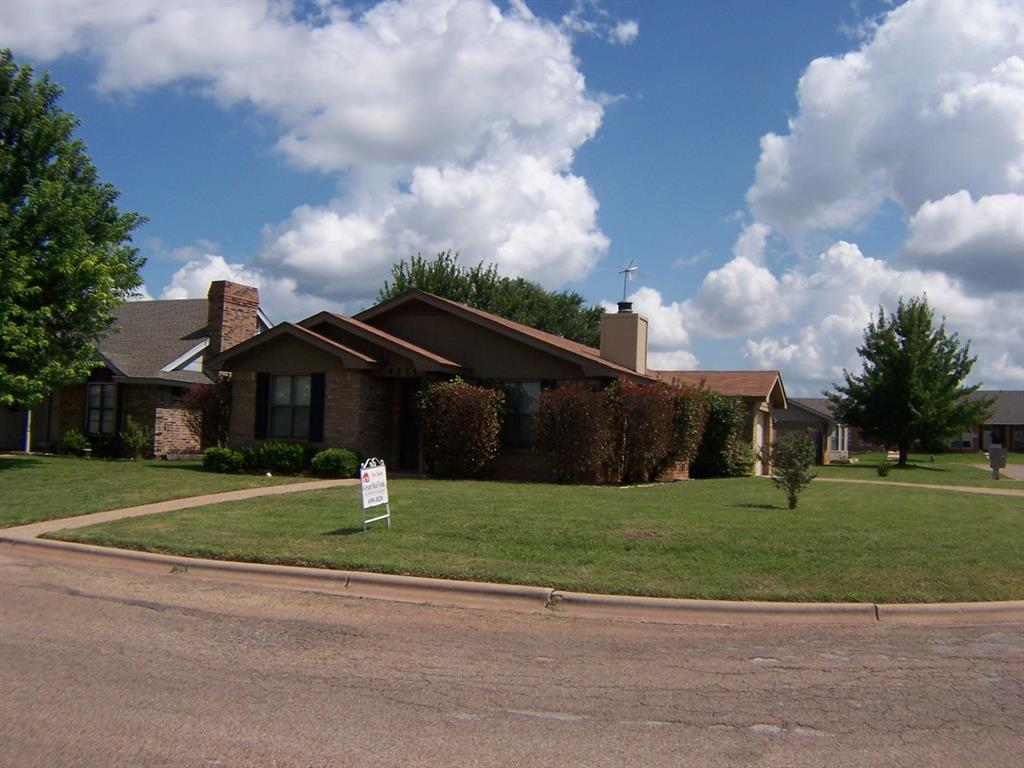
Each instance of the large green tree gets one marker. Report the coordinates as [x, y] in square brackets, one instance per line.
[911, 390]
[65, 249]
[563, 313]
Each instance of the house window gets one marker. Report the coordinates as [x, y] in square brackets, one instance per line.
[99, 409]
[517, 428]
[289, 406]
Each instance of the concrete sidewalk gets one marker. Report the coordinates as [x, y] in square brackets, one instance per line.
[1019, 492]
[22, 540]
[31, 530]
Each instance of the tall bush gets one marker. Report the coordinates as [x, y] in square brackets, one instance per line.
[461, 424]
[689, 417]
[641, 418]
[208, 411]
[137, 438]
[573, 431]
[722, 451]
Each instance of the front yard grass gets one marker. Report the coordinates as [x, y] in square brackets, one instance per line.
[729, 539]
[34, 488]
[933, 469]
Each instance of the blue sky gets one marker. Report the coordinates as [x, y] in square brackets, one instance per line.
[776, 169]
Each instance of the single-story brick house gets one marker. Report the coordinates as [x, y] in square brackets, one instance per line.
[157, 350]
[334, 380]
[813, 417]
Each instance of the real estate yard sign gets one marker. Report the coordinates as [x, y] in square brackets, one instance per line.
[374, 482]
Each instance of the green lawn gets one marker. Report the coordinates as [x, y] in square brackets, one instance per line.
[730, 539]
[935, 469]
[34, 488]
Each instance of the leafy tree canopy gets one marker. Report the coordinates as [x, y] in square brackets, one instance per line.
[563, 313]
[65, 253]
[911, 389]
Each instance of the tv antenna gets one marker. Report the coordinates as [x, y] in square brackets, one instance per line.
[627, 275]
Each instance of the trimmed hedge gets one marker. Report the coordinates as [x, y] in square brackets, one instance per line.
[627, 432]
[573, 431]
[722, 451]
[461, 424]
[335, 462]
[641, 426]
[223, 460]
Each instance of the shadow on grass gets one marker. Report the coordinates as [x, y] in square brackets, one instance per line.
[181, 466]
[759, 506]
[344, 531]
[17, 462]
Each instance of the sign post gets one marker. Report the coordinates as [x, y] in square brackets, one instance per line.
[996, 459]
[374, 481]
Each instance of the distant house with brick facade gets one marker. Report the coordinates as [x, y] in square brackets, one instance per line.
[333, 380]
[157, 350]
[812, 416]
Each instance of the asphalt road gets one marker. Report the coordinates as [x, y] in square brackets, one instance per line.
[110, 666]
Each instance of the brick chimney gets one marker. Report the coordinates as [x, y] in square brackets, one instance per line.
[231, 314]
[624, 338]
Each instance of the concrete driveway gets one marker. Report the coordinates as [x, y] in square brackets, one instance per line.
[118, 666]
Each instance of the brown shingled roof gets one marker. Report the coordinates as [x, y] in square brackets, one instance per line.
[380, 338]
[542, 339]
[759, 384]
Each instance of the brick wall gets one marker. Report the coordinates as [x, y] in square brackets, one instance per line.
[170, 433]
[243, 409]
[359, 413]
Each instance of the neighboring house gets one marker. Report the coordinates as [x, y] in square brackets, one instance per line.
[813, 417]
[1005, 426]
[353, 381]
[157, 350]
[761, 391]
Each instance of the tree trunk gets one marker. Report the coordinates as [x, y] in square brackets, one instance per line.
[904, 445]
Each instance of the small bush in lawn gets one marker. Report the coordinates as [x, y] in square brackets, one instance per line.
[641, 426]
[278, 457]
[791, 457]
[223, 460]
[335, 462]
[461, 424]
[883, 468]
[73, 442]
[137, 438]
[722, 452]
[573, 431]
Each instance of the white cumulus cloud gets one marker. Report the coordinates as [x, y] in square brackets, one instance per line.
[451, 123]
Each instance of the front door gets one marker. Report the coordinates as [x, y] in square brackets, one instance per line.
[409, 426]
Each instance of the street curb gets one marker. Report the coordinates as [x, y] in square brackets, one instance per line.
[532, 599]
[1010, 610]
[709, 611]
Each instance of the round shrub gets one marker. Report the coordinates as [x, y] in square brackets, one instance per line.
[461, 425]
[73, 442]
[335, 462]
[223, 460]
[278, 457]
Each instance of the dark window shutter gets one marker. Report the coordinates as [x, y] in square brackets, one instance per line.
[316, 407]
[262, 405]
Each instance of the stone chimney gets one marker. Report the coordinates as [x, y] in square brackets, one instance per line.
[231, 314]
[624, 338]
